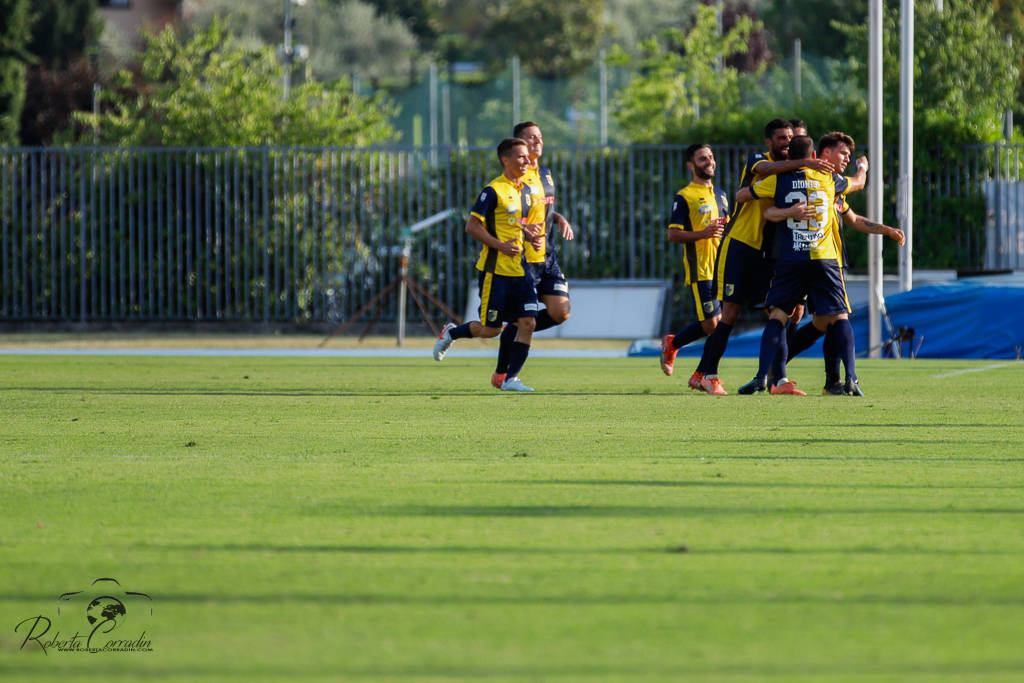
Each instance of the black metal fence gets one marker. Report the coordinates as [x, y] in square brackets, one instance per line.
[291, 235]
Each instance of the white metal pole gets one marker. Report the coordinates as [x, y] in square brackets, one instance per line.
[287, 78]
[402, 285]
[797, 67]
[602, 70]
[516, 110]
[905, 187]
[1008, 119]
[432, 96]
[875, 185]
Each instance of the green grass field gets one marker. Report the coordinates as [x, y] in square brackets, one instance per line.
[399, 520]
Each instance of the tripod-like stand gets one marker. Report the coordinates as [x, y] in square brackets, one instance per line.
[405, 285]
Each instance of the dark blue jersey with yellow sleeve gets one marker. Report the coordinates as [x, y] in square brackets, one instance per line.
[811, 239]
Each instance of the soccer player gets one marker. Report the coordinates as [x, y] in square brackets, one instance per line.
[808, 256]
[742, 272]
[699, 214]
[837, 148]
[502, 214]
[541, 259]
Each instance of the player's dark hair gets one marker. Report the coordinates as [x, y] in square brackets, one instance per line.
[834, 139]
[798, 123]
[694, 148]
[800, 147]
[518, 129]
[774, 125]
[508, 143]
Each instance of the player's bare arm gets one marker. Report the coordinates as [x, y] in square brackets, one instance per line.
[861, 224]
[476, 230]
[564, 227]
[858, 180]
[743, 195]
[767, 168]
[800, 211]
[714, 230]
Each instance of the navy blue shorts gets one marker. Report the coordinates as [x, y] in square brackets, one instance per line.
[741, 273]
[704, 301]
[547, 278]
[505, 299]
[821, 281]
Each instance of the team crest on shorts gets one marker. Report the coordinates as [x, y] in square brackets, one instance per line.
[709, 306]
[492, 315]
[729, 289]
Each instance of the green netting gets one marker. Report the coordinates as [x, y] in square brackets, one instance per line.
[568, 110]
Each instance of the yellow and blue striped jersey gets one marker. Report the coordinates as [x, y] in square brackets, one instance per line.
[503, 207]
[813, 239]
[747, 223]
[693, 209]
[543, 188]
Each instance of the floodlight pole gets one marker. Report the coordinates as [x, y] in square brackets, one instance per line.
[287, 77]
[875, 185]
[905, 188]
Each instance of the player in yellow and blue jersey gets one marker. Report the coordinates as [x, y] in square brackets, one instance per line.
[837, 147]
[808, 257]
[504, 212]
[541, 259]
[699, 214]
[742, 272]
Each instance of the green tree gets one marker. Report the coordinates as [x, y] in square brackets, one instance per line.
[963, 82]
[210, 91]
[421, 16]
[562, 38]
[64, 30]
[343, 38]
[812, 21]
[14, 35]
[680, 79]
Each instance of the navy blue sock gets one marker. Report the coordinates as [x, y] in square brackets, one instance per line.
[508, 335]
[544, 321]
[802, 340]
[714, 349]
[791, 328]
[845, 347]
[692, 332]
[831, 356]
[779, 362]
[771, 339]
[461, 331]
[516, 358]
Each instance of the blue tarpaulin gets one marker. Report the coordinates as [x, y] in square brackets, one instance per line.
[980, 317]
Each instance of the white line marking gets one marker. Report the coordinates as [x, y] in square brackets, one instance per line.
[308, 353]
[964, 372]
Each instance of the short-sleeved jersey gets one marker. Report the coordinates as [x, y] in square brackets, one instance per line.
[802, 240]
[842, 206]
[503, 207]
[693, 209]
[747, 223]
[543, 199]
